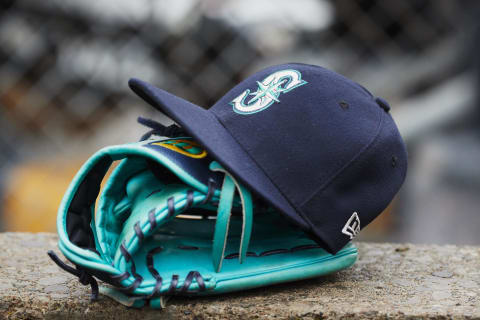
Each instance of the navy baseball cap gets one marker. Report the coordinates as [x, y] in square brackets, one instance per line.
[317, 146]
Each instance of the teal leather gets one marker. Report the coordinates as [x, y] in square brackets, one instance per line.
[224, 214]
[254, 272]
[107, 228]
[222, 223]
[250, 248]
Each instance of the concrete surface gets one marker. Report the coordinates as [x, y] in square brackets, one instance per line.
[397, 281]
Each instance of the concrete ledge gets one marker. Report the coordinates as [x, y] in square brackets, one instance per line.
[389, 281]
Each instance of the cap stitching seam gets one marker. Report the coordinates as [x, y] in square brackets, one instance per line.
[348, 164]
[330, 174]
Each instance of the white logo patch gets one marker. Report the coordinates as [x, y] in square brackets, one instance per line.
[352, 227]
[268, 91]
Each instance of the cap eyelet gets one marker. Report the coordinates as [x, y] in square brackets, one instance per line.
[344, 105]
[394, 161]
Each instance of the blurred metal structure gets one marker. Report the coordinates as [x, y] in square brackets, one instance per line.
[64, 65]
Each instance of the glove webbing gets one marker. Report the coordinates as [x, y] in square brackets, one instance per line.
[151, 253]
[220, 235]
[224, 214]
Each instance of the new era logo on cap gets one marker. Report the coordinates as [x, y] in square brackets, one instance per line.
[285, 133]
[352, 227]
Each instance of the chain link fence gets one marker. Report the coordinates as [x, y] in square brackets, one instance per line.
[64, 65]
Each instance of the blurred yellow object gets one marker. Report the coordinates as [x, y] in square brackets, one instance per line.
[33, 193]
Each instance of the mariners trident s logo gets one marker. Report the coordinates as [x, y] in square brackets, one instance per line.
[268, 91]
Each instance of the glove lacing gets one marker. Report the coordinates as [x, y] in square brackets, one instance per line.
[174, 131]
[158, 129]
[84, 277]
[230, 185]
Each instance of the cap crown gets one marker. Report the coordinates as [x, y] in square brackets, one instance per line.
[322, 139]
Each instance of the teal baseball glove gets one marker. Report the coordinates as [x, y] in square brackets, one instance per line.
[170, 220]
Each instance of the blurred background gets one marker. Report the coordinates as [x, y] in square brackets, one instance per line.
[64, 67]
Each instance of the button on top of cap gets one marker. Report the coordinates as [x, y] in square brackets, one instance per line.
[382, 103]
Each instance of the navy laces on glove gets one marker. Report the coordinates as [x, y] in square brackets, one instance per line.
[84, 277]
[159, 129]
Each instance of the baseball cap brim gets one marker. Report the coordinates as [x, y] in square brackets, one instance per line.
[208, 131]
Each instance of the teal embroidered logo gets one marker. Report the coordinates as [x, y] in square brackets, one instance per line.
[268, 91]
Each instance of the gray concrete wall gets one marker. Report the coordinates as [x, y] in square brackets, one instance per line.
[398, 281]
